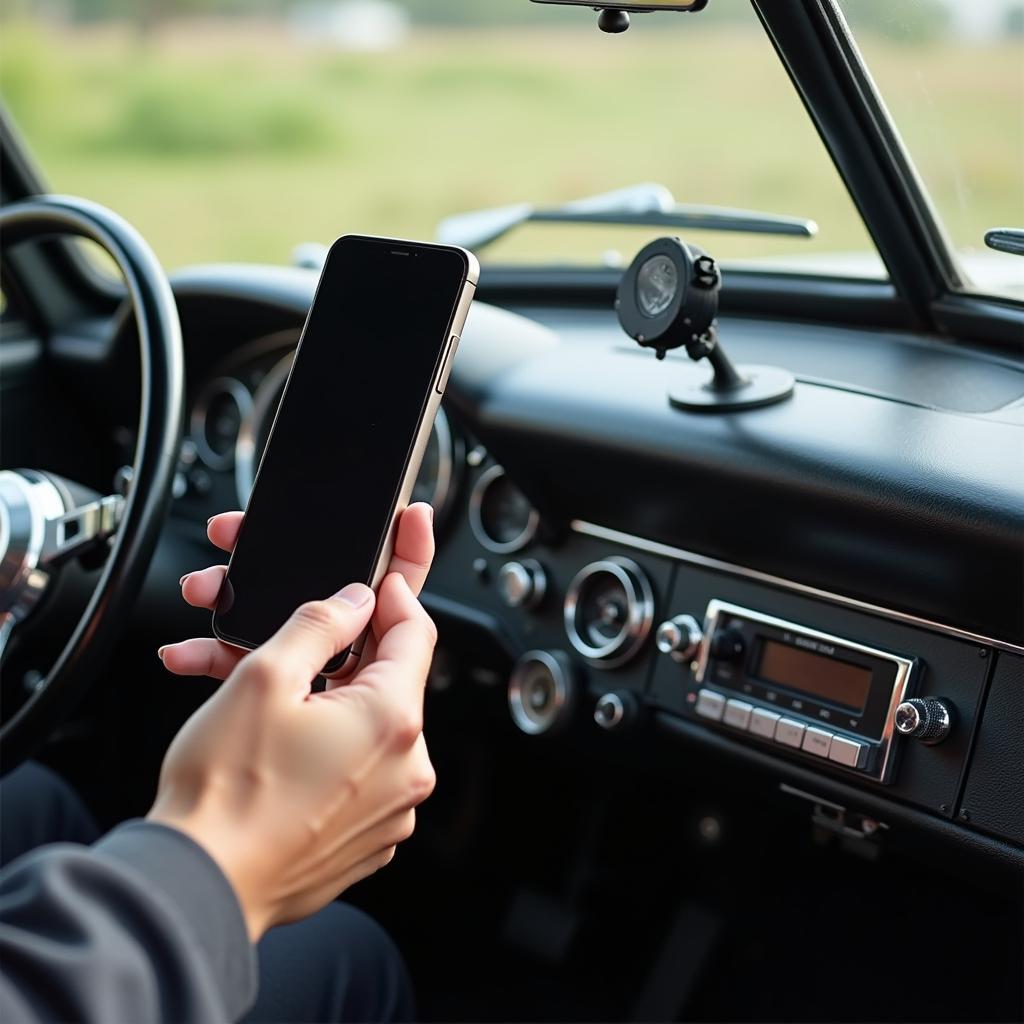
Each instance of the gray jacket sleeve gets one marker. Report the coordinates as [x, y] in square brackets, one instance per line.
[143, 926]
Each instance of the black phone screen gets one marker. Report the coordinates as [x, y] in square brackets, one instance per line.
[338, 451]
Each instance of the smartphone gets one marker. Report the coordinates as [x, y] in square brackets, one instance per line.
[350, 430]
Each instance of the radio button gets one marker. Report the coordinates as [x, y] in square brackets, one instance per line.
[737, 713]
[762, 723]
[847, 752]
[710, 704]
[817, 741]
[789, 733]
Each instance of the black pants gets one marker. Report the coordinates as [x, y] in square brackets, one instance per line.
[336, 966]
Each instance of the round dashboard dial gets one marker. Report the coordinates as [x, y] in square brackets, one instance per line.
[438, 473]
[442, 460]
[500, 515]
[609, 610]
[217, 416]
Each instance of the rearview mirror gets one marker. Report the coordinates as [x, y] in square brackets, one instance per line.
[613, 16]
[647, 5]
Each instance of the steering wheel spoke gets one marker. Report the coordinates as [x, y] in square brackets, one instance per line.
[80, 530]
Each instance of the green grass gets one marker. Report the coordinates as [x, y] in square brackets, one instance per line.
[225, 141]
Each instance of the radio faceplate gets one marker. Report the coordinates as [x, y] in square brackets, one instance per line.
[800, 689]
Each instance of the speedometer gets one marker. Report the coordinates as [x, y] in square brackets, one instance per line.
[500, 515]
[217, 416]
[437, 476]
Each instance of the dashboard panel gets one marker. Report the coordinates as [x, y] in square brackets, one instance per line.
[589, 539]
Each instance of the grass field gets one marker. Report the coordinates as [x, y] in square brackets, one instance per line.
[227, 141]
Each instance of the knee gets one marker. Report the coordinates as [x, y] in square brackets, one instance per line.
[372, 970]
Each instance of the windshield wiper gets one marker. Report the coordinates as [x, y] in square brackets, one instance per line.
[648, 205]
[1006, 240]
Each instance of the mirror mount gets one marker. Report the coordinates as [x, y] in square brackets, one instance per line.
[614, 17]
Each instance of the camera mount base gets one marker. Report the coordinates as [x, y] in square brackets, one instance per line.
[694, 391]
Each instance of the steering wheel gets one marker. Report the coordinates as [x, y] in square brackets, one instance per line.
[46, 521]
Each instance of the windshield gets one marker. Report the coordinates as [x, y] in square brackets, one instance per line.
[229, 135]
[952, 77]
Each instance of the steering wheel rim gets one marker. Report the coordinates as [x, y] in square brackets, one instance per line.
[161, 418]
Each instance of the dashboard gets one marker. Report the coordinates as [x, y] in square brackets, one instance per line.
[827, 594]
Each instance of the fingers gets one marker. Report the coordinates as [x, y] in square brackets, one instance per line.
[315, 633]
[414, 545]
[223, 529]
[201, 588]
[406, 645]
[201, 657]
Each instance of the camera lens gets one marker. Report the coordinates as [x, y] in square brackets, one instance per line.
[656, 284]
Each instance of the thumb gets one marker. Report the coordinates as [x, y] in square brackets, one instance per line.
[315, 633]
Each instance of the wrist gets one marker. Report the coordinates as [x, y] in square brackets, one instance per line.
[219, 843]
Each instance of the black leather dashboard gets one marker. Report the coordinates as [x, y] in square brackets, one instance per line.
[884, 503]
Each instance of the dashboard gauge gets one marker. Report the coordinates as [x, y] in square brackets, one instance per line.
[500, 515]
[438, 474]
[441, 462]
[609, 610]
[216, 420]
[255, 428]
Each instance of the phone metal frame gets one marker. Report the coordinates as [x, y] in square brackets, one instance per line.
[431, 403]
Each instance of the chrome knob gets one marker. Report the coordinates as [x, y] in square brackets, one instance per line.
[615, 709]
[522, 584]
[680, 638]
[928, 719]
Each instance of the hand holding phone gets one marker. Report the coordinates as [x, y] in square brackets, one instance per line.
[206, 656]
[350, 430]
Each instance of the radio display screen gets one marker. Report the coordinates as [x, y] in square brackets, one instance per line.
[837, 682]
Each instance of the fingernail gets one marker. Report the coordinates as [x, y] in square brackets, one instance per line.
[181, 582]
[160, 651]
[430, 509]
[210, 520]
[355, 594]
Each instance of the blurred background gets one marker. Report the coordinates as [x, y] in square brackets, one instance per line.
[237, 129]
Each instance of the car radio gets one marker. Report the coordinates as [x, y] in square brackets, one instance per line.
[798, 689]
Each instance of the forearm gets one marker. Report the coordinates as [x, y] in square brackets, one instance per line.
[141, 927]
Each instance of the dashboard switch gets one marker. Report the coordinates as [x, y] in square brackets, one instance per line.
[928, 719]
[789, 732]
[615, 710]
[522, 584]
[679, 638]
[817, 741]
[762, 723]
[848, 753]
[737, 713]
[727, 644]
[710, 705]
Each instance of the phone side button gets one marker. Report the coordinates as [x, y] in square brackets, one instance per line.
[446, 365]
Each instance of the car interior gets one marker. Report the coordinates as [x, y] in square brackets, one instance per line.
[727, 708]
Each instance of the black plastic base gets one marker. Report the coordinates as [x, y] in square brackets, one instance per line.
[691, 389]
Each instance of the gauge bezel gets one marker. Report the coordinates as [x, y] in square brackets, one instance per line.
[201, 410]
[476, 522]
[639, 617]
[529, 721]
[264, 403]
[450, 458]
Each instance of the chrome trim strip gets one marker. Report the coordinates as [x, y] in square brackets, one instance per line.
[904, 667]
[705, 562]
